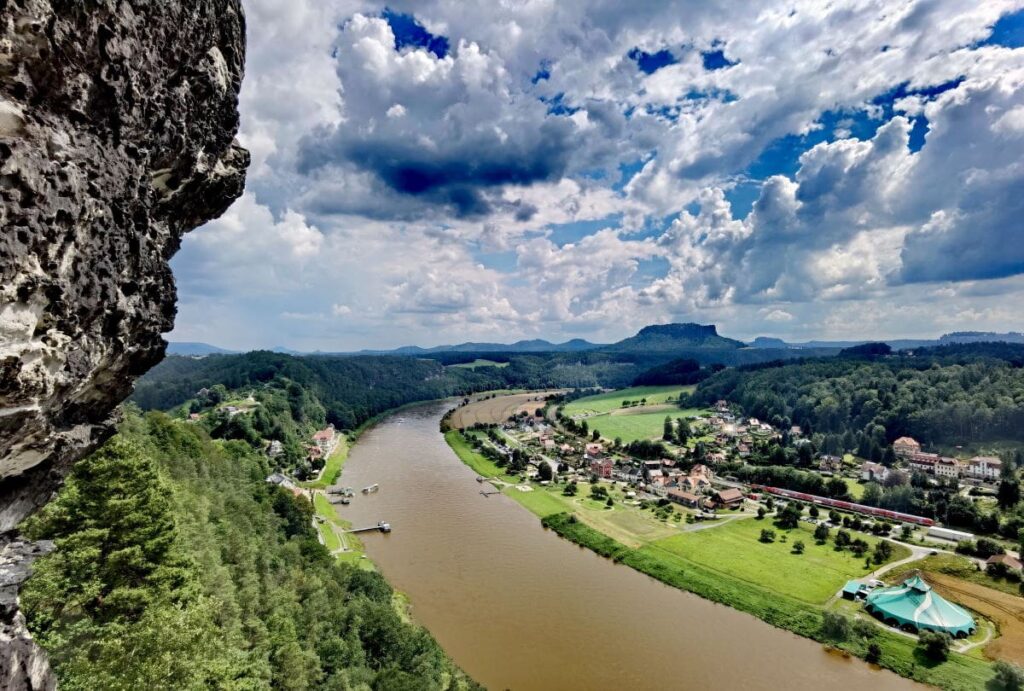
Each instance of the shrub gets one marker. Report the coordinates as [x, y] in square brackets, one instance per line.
[883, 552]
[767, 535]
[1010, 677]
[864, 628]
[835, 626]
[798, 547]
[821, 533]
[874, 653]
[987, 547]
[935, 645]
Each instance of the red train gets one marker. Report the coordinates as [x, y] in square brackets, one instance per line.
[848, 506]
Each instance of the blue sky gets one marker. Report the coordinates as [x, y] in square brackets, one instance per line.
[429, 172]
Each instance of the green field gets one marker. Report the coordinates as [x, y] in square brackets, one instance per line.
[479, 362]
[605, 413]
[625, 523]
[631, 426]
[734, 549]
[612, 400]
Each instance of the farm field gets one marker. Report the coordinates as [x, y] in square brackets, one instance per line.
[479, 362]
[735, 549]
[612, 400]
[498, 409]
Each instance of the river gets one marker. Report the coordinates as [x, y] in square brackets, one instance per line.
[517, 607]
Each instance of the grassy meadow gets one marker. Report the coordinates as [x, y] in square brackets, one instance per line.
[735, 549]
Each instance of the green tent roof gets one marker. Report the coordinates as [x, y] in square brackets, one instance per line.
[914, 602]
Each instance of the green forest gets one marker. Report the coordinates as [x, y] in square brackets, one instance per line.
[178, 567]
[941, 396]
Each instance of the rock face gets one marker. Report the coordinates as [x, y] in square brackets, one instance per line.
[117, 127]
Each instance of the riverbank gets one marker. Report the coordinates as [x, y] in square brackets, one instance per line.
[771, 605]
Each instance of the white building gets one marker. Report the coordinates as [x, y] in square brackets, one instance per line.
[984, 468]
[873, 472]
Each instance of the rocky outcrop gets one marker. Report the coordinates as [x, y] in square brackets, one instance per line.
[117, 126]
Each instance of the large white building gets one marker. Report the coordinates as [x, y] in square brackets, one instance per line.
[984, 468]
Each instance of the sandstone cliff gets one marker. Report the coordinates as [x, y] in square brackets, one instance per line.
[117, 126]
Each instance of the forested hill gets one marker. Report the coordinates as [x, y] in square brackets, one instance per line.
[178, 567]
[351, 389]
[949, 395]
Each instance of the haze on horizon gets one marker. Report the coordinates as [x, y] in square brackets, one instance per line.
[437, 172]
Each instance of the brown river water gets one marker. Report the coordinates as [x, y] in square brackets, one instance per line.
[517, 607]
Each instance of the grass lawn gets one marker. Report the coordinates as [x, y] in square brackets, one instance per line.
[479, 362]
[634, 427]
[607, 402]
[856, 488]
[627, 524]
[735, 549]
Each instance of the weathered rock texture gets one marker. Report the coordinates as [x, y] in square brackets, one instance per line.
[117, 126]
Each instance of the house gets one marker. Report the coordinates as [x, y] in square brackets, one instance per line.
[984, 468]
[593, 449]
[729, 498]
[795, 431]
[684, 498]
[947, 467]
[280, 480]
[829, 463]
[324, 436]
[722, 406]
[1006, 560]
[743, 450]
[602, 467]
[905, 447]
[715, 457]
[633, 475]
[548, 444]
[924, 462]
[873, 472]
[275, 448]
[651, 469]
[194, 417]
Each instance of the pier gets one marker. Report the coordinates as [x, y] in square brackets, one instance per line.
[382, 526]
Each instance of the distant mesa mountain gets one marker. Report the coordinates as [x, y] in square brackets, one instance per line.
[196, 349]
[768, 342]
[674, 337]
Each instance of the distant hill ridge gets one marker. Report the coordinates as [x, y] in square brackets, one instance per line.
[652, 339]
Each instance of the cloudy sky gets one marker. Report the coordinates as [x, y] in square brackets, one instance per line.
[447, 170]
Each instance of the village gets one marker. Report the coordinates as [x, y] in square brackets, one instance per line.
[701, 500]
